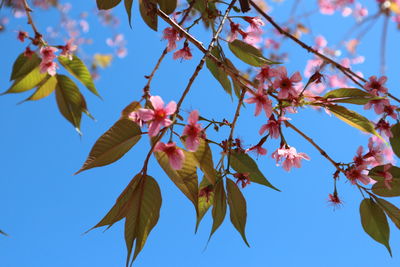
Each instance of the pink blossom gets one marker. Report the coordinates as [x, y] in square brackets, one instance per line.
[67, 49]
[262, 102]
[175, 155]
[171, 35]
[360, 12]
[183, 53]
[378, 104]
[272, 126]
[158, 116]
[387, 175]
[235, 29]
[242, 178]
[28, 52]
[255, 23]
[375, 86]
[135, 117]
[47, 53]
[22, 35]
[390, 110]
[357, 173]
[286, 84]
[258, 149]
[384, 127]
[290, 156]
[49, 67]
[192, 131]
[270, 43]
[334, 199]
[320, 41]
[265, 74]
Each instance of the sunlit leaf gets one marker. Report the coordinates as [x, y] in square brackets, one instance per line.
[237, 208]
[113, 144]
[79, 70]
[148, 11]
[23, 65]
[218, 73]
[391, 210]
[350, 95]
[395, 140]
[374, 222]
[185, 178]
[102, 60]
[44, 90]
[249, 54]
[27, 82]
[204, 160]
[354, 119]
[69, 100]
[219, 207]
[243, 163]
[107, 4]
[168, 6]
[381, 189]
[129, 109]
[205, 201]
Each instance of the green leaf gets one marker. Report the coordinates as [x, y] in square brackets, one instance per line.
[204, 161]
[113, 144]
[23, 65]
[143, 215]
[185, 178]
[27, 82]
[376, 173]
[128, 8]
[219, 74]
[79, 70]
[243, 163]
[44, 90]
[353, 118]
[395, 140]
[382, 190]
[148, 11]
[236, 86]
[374, 222]
[249, 54]
[237, 208]
[168, 6]
[391, 210]
[69, 100]
[133, 106]
[350, 95]
[199, 5]
[107, 4]
[204, 201]
[219, 207]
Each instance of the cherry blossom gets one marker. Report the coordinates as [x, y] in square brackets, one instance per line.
[171, 35]
[175, 155]
[258, 149]
[272, 126]
[290, 157]
[47, 53]
[262, 102]
[22, 35]
[375, 86]
[358, 173]
[255, 23]
[68, 49]
[158, 116]
[286, 84]
[192, 132]
[242, 178]
[183, 53]
[334, 199]
[28, 52]
[384, 128]
[48, 66]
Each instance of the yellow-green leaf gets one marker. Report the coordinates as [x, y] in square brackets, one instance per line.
[27, 82]
[381, 189]
[113, 144]
[185, 178]
[350, 95]
[353, 118]
[205, 201]
[78, 69]
[44, 90]
[249, 54]
[69, 100]
[204, 160]
[219, 207]
[374, 222]
[219, 74]
[23, 65]
[237, 208]
[243, 163]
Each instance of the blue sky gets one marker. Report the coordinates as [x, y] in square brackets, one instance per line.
[46, 209]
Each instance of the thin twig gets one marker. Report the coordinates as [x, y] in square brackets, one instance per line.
[383, 45]
[28, 12]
